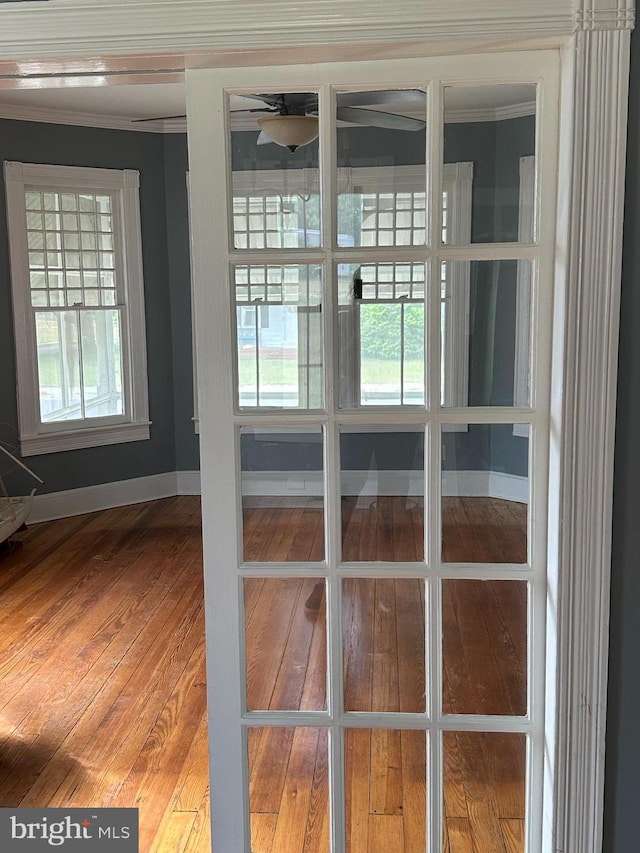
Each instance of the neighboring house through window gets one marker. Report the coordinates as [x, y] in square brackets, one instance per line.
[76, 270]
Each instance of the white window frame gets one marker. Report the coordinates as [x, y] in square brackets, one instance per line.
[522, 357]
[36, 436]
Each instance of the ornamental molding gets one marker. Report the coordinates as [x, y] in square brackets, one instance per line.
[605, 15]
[591, 196]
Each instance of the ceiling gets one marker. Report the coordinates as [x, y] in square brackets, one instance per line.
[118, 105]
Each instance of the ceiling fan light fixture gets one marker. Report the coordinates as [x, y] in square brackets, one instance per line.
[290, 131]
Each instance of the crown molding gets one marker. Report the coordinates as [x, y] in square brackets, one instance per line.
[82, 119]
[179, 125]
[67, 28]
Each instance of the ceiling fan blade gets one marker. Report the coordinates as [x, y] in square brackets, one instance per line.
[157, 118]
[374, 118]
[386, 96]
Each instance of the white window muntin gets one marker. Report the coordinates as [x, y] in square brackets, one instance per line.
[122, 187]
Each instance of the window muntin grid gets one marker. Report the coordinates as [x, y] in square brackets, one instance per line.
[276, 221]
[393, 218]
[279, 342]
[71, 248]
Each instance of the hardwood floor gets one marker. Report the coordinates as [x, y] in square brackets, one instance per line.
[103, 682]
[102, 670]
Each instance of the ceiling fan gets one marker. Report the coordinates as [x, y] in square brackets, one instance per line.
[291, 119]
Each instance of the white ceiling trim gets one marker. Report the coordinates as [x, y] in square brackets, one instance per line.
[71, 27]
[179, 125]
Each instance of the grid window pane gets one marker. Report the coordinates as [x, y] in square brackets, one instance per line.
[55, 240]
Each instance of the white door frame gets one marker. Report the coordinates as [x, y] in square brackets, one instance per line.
[594, 38]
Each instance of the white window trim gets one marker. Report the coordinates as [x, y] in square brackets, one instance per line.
[37, 437]
[522, 357]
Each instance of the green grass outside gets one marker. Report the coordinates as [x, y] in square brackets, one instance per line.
[275, 371]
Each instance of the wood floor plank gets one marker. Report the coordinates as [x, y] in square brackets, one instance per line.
[193, 781]
[294, 823]
[513, 835]
[263, 829]
[358, 789]
[414, 790]
[199, 840]
[386, 833]
[458, 835]
[386, 795]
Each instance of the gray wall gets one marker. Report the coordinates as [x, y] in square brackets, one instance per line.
[179, 268]
[162, 259]
[622, 788]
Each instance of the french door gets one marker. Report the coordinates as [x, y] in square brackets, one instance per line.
[373, 358]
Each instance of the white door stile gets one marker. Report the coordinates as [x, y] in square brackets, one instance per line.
[205, 106]
[221, 420]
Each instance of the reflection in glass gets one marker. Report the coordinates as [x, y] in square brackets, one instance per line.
[500, 133]
[285, 644]
[282, 494]
[381, 334]
[485, 333]
[484, 791]
[484, 647]
[288, 789]
[381, 168]
[485, 493]
[385, 780]
[382, 483]
[275, 177]
[383, 638]
[279, 335]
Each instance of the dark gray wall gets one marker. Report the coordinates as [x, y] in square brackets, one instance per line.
[622, 786]
[175, 174]
[80, 146]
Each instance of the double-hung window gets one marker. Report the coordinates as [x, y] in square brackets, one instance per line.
[76, 269]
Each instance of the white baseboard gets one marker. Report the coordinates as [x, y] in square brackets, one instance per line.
[104, 496]
[188, 482]
[292, 484]
[305, 484]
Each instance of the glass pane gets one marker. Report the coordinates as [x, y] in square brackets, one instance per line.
[381, 320]
[484, 791]
[485, 493]
[383, 639]
[386, 791]
[279, 336]
[101, 363]
[381, 161]
[288, 789]
[285, 643]
[58, 366]
[485, 324]
[382, 482]
[493, 127]
[282, 494]
[484, 647]
[275, 174]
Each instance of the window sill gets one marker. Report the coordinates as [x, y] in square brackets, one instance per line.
[75, 439]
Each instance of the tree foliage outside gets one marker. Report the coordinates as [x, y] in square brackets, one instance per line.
[380, 335]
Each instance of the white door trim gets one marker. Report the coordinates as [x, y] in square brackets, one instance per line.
[591, 194]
